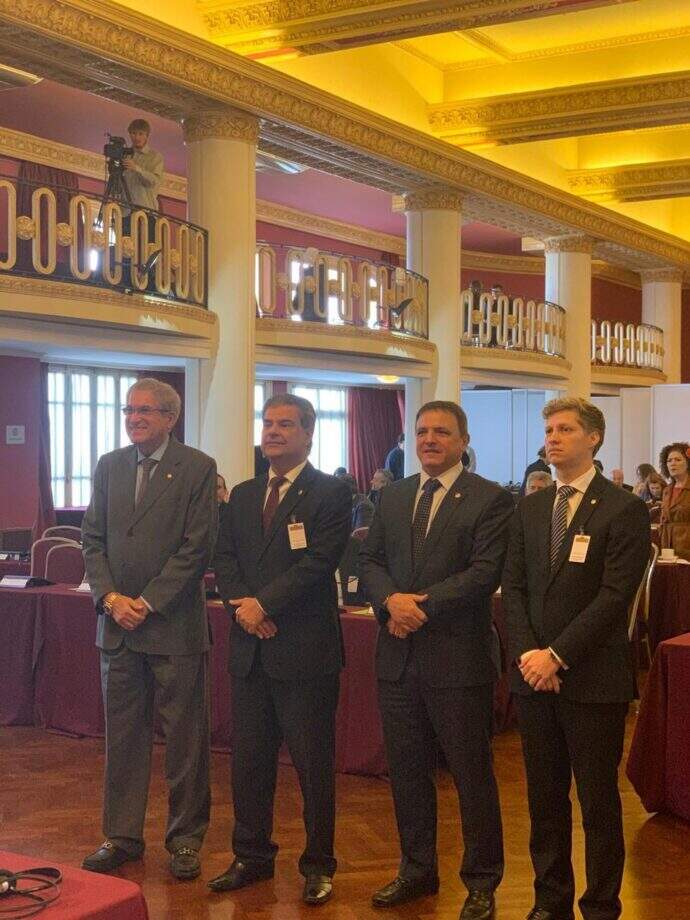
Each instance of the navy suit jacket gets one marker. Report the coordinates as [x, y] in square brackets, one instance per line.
[296, 587]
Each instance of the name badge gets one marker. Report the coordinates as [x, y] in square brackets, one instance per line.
[297, 536]
[578, 551]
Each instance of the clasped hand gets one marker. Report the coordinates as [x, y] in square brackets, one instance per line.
[539, 670]
[406, 616]
[128, 612]
[251, 616]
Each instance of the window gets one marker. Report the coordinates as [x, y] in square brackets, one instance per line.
[329, 450]
[85, 422]
[259, 400]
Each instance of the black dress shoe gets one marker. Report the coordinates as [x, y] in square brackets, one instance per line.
[401, 890]
[317, 889]
[107, 858]
[540, 913]
[240, 874]
[479, 905]
[185, 863]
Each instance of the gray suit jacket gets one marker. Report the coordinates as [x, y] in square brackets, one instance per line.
[160, 551]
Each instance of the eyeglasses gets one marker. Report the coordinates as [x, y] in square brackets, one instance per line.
[127, 411]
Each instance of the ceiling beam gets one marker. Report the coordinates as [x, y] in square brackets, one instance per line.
[565, 111]
[267, 27]
[633, 182]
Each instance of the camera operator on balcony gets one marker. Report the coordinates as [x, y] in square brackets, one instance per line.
[143, 171]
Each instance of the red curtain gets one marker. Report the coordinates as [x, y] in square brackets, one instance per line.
[45, 511]
[374, 422]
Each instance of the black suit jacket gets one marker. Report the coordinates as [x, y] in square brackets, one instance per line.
[459, 568]
[296, 588]
[578, 609]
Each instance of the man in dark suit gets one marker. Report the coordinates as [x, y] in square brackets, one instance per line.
[395, 459]
[148, 535]
[538, 466]
[430, 564]
[577, 553]
[278, 549]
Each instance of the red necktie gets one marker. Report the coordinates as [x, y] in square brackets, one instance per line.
[272, 501]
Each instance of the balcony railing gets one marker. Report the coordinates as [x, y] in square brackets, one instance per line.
[57, 233]
[627, 345]
[317, 286]
[505, 322]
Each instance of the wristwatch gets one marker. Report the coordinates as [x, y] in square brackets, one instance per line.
[107, 602]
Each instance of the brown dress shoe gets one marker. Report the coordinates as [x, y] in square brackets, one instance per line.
[401, 890]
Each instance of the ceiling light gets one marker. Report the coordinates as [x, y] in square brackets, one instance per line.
[387, 378]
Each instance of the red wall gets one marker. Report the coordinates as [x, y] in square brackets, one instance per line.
[270, 233]
[20, 384]
[528, 286]
[615, 302]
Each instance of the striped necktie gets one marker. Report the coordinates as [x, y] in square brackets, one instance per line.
[559, 521]
[420, 524]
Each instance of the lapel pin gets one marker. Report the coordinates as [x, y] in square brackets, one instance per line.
[301, 492]
[168, 476]
[593, 501]
[458, 495]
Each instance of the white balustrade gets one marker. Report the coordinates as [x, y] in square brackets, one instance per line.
[512, 323]
[627, 345]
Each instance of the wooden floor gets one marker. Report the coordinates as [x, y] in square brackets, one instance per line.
[50, 808]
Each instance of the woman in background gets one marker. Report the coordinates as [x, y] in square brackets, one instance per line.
[674, 461]
[654, 488]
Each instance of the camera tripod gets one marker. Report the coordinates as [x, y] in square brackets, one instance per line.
[115, 188]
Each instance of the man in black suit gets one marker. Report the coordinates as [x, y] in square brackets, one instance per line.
[577, 553]
[430, 564]
[395, 459]
[278, 548]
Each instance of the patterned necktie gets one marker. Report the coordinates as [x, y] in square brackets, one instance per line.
[420, 523]
[147, 467]
[272, 501]
[559, 521]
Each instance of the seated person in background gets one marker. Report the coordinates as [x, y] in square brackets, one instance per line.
[674, 462]
[340, 472]
[362, 507]
[643, 472]
[654, 488]
[538, 480]
[618, 479]
[379, 480]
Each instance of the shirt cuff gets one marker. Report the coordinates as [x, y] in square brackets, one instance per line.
[148, 606]
[558, 659]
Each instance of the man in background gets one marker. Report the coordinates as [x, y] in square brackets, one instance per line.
[362, 507]
[148, 535]
[379, 481]
[143, 172]
[618, 479]
[537, 466]
[538, 480]
[395, 459]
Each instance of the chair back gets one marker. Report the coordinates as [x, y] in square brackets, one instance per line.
[15, 539]
[360, 534]
[639, 608]
[67, 531]
[65, 564]
[39, 551]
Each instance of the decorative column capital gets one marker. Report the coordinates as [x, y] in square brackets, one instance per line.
[669, 275]
[575, 242]
[433, 199]
[225, 124]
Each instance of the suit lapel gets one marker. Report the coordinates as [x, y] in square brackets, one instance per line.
[162, 478]
[541, 515]
[124, 483]
[589, 503]
[293, 495]
[451, 502]
[409, 488]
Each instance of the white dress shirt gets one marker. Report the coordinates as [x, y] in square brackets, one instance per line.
[581, 484]
[289, 478]
[446, 479]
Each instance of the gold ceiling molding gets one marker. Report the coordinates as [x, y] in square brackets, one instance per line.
[21, 146]
[119, 53]
[565, 111]
[616, 274]
[433, 199]
[667, 275]
[498, 262]
[222, 124]
[260, 27]
[633, 182]
[573, 243]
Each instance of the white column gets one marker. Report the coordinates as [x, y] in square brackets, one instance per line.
[414, 399]
[568, 282]
[221, 151]
[661, 306]
[433, 250]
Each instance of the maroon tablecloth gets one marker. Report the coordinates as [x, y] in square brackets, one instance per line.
[659, 760]
[669, 604]
[82, 894]
[14, 567]
[18, 610]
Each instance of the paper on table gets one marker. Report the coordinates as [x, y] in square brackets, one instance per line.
[84, 587]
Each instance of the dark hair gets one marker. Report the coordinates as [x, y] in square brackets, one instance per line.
[644, 470]
[446, 405]
[220, 476]
[542, 453]
[646, 493]
[307, 415]
[401, 438]
[340, 472]
[139, 124]
[682, 447]
[598, 464]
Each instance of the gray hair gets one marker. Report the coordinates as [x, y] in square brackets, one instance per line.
[538, 476]
[166, 396]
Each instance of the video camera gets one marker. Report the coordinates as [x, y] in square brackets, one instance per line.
[116, 150]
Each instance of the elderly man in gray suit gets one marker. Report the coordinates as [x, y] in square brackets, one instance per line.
[148, 535]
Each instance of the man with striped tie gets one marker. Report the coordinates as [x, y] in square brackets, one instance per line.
[431, 562]
[576, 555]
